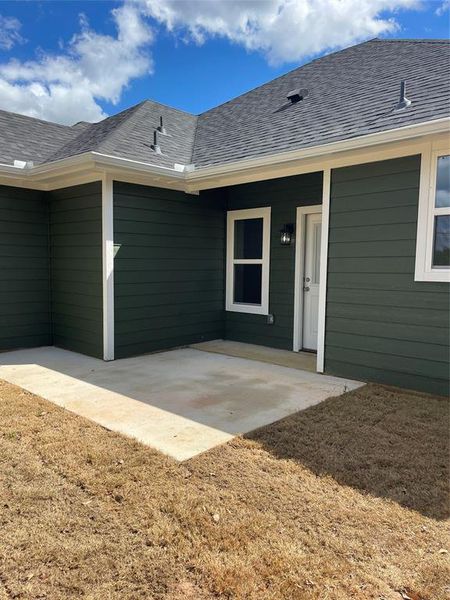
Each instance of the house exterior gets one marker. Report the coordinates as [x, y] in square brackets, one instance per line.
[312, 213]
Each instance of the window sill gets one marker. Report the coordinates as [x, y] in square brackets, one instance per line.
[247, 309]
[438, 275]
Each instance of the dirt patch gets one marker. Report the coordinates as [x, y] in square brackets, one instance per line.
[309, 507]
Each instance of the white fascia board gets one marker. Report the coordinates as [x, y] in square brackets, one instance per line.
[88, 161]
[11, 168]
[136, 165]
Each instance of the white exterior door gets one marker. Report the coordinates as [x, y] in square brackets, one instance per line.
[311, 280]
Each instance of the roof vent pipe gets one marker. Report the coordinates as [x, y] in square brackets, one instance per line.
[403, 101]
[161, 127]
[155, 146]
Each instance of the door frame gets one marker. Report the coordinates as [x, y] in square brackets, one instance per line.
[300, 249]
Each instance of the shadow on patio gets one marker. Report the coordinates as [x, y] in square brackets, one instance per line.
[384, 441]
[181, 402]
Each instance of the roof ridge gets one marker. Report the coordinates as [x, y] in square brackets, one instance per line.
[16, 114]
[132, 110]
[331, 53]
[130, 121]
[180, 110]
[319, 58]
[414, 40]
[86, 131]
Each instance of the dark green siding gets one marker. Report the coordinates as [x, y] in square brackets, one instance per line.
[76, 267]
[283, 195]
[381, 325]
[24, 269]
[168, 268]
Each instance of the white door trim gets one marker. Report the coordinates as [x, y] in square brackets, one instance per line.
[108, 267]
[326, 190]
[300, 237]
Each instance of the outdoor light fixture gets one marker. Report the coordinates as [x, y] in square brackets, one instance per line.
[286, 234]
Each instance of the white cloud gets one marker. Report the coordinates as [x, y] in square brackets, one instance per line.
[284, 30]
[9, 32]
[66, 88]
[443, 8]
[69, 85]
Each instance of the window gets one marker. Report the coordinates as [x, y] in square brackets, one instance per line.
[433, 228]
[248, 250]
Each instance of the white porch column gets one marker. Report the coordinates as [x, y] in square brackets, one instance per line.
[323, 270]
[108, 267]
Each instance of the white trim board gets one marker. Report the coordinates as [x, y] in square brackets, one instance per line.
[300, 234]
[108, 267]
[326, 191]
[424, 270]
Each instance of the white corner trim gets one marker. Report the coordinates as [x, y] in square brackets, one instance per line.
[326, 190]
[425, 217]
[108, 267]
[236, 215]
[300, 235]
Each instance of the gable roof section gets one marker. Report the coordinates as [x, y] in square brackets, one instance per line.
[129, 134]
[351, 93]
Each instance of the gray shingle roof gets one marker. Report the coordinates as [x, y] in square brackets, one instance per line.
[351, 93]
[25, 138]
[129, 134]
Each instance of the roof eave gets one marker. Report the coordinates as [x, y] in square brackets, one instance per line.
[322, 152]
[91, 166]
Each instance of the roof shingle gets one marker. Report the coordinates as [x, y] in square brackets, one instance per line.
[352, 93]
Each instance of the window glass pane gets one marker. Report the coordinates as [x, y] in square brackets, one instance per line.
[248, 238]
[443, 182]
[247, 284]
[441, 248]
[316, 249]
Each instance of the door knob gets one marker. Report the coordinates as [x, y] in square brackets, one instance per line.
[306, 289]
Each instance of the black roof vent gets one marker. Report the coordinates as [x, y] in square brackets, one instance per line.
[297, 95]
[403, 101]
[155, 146]
[161, 127]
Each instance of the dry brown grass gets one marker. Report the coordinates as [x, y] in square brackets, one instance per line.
[344, 500]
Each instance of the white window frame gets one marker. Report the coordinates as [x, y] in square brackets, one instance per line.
[424, 270]
[239, 215]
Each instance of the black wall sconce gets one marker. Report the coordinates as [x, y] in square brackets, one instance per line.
[287, 234]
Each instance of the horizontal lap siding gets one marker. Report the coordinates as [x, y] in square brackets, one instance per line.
[24, 269]
[76, 266]
[168, 268]
[283, 196]
[381, 325]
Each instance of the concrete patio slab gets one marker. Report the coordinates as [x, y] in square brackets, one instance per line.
[181, 402]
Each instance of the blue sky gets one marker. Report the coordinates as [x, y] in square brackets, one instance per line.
[68, 61]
